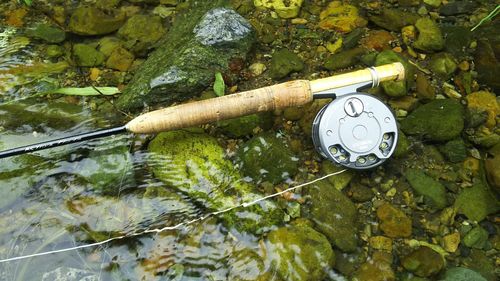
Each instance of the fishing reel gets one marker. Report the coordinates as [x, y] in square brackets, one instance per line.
[355, 130]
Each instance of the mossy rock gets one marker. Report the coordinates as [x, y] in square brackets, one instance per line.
[462, 274]
[424, 262]
[87, 56]
[438, 120]
[432, 190]
[476, 238]
[195, 164]
[430, 37]
[141, 32]
[344, 59]
[395, 88]
[47, 33]
[247, 265]
[267, 157]
[334, 215]
[394, 19]
[92, 21]
[244, 126]
[299, 253]
[283, 63]
[455, 150]
[476, 202]
[443, 65]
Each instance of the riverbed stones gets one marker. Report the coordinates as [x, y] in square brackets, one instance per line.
[267, 157]
[87, 56]
[344, 59]
[341, 17]
[455, 150]
[394, 19]
[423, 261]
[283, 63]
[432, 190]
[438, 120]
[393, 222]
[202, 41]
[141, 32]
[430, 38]
[92, 21]
[476, 238]
[462, 274]
[395, 88]
[195, 164]
[443, 65]
[47, 33]
[375, 269]
[484, 101]
[333, 214]
[476, 202]
[299, 252]
[120, 59]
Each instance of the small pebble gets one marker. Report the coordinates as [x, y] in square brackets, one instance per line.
[464, 66]
[299, 21]
[257, 68]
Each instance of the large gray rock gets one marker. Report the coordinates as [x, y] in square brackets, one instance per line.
[200, 43]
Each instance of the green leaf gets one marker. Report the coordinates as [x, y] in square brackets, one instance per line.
[219, 86]
[87, 91]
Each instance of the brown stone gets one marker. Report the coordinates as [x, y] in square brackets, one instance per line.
[120, 59]
[393, 222]
[378, 40]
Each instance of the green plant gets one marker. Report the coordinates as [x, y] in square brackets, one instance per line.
[26, 2]
[489, 17]
[219, 85]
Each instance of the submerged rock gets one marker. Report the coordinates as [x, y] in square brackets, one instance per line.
[394, 19]
[476, 202]
[283, 63]
[487, 64]
[462, 274]
[247, 265]
[432, 190]
[334, 215]
[87, 56]
[299, 253]
[430, 38]
[476, 238]
[245, 125]
[443, 65]
[393, 222]
[491, 165]
[455, 150]
[200, 43]
[395, 88]
[341, 17]
[344, 59]
[438, 120]
[141, 32]
[92, 21]
[423, 262]
[195, 164]
[284, 9]
[267, 157]
[47, 33]
[484, 101]
[69, 274]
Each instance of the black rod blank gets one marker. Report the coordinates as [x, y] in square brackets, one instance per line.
[62, 141]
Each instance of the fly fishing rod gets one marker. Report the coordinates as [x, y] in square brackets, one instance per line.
[355, 130]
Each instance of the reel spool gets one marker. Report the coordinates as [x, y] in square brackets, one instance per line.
[356, 130]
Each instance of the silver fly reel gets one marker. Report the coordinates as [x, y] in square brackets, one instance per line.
[355, 130]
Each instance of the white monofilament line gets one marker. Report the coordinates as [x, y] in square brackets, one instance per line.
[177, 226]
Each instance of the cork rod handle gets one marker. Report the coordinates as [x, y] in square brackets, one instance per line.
[293, 93]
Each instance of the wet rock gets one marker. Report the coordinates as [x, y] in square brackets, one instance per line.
[267, 157]
[484, 101]
[200, 43]
[403, 145]
[443, 65]
[476, 202]
[284, 9]
[476, 238]
[491, 165]
[455, 150]
[360, 193]
[334, 215]
[381, 243]
[54, 51]
[108, 44]
[430, 38]
[351, 40]
[108, 167]
[423, 262]
[92, 21]
[69, 274]
[432, 190]
[120, 59]
[487, 64]
[87, 56]
[299, 253]
[195, 164]
[425, 90]
[244, 126]
[394, 19]
[283, 63]
[374, 270]
[458, 39]
[451, 242]
[458, 7]
[377, 40]
[393, 222]
[47, 33]
[482, 263]
[247, 265]
[344, 59]
[462, 274]
[141, 32]
[438, 120]
[395, 88]
[339, 181]
[341, 17]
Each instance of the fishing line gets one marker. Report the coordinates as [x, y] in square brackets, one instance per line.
[174, 227]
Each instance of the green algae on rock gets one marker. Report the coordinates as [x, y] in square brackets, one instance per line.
[432, 190]
[443, 65]
[333, 214]
[423, 261]
[195, 164]
[299, 253]
[245, 125]
[430, 37]
[47, 33]
[455, 150]
[141, 32]
[476, 238]
[438, 120]
[462, 274]
[200, 43]
[344, 59]
[340, 181]
[92, 21]
[87, 56]
[266, 157]
[395, 88]
[283, 63]
[393, 222]
[341, 17]
[394, 19]
[476, 202]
